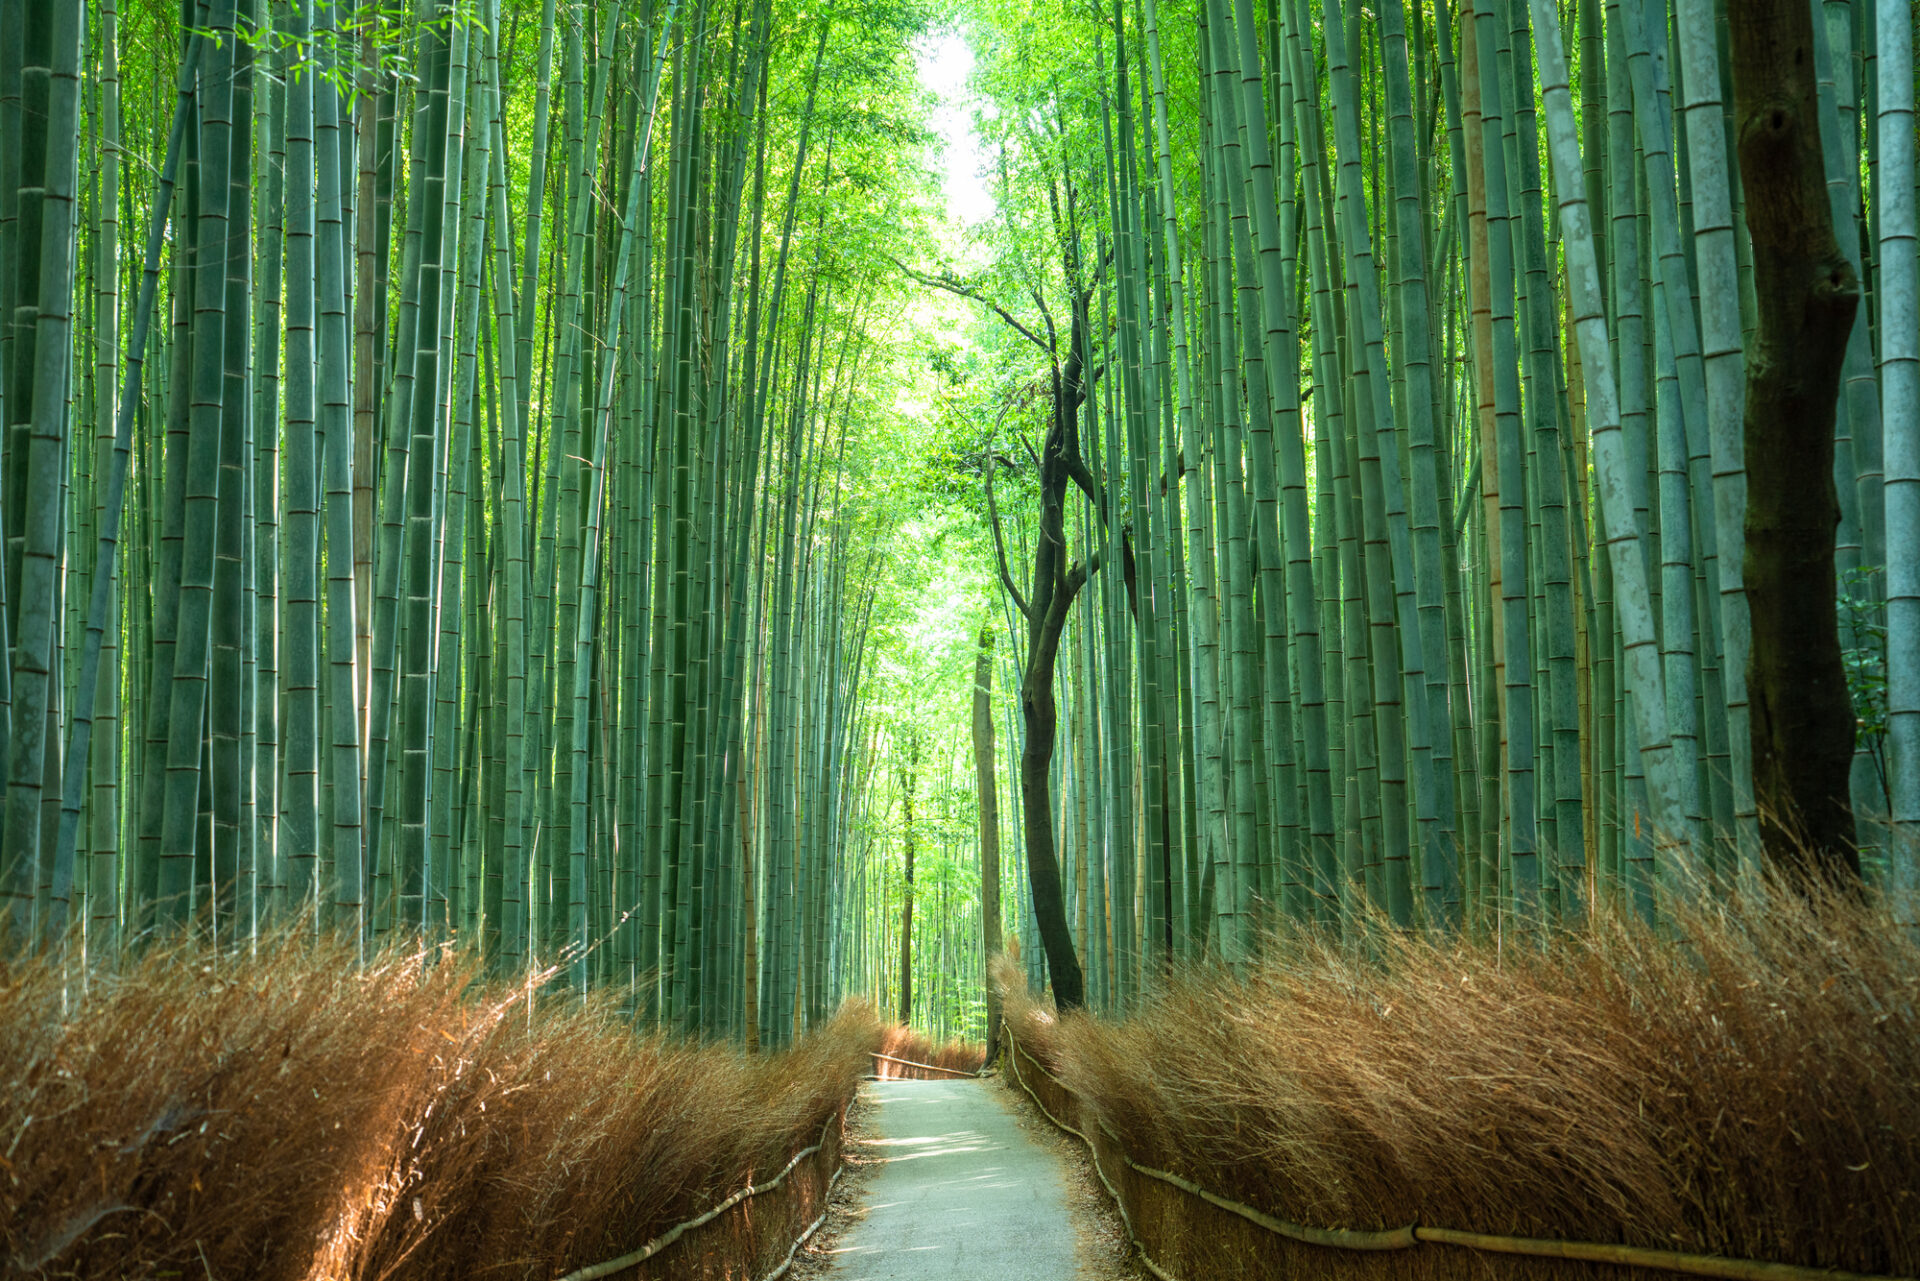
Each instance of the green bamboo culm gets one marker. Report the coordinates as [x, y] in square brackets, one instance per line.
[531, 478]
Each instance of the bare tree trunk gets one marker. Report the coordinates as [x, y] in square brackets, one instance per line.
[906, 897]
[1055, 584]
[1056, 581]
[1040, 715]
[989, 825]
[1802, 730]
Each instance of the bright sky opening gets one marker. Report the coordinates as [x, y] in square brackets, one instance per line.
[945, 63]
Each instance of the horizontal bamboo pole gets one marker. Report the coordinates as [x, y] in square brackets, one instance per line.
[826, 1208]
[1339, 1238]
[667, 1238]
[928, 1066]
[1631, 1256]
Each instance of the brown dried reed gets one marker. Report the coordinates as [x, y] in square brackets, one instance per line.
[905, 1043]
[1745, 1082]
[295, 1116]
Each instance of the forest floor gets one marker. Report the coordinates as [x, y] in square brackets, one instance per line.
[956, 1179]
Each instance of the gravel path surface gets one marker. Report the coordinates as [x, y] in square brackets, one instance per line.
[960, 1191]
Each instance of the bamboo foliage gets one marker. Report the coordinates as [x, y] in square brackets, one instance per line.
[426, 479]
[463, 464]
[1477, 659]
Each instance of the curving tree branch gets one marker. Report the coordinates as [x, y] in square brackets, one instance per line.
[999, 542]
[954, 285]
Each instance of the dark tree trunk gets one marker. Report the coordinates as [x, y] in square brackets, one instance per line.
[1802, 736]
[985, 786]
[1056, 581]
[1055, 584]
[1040, 716]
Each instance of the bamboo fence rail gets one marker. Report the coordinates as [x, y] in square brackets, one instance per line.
[635, 1258]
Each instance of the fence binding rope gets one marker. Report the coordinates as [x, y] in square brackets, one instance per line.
[1707, 1265]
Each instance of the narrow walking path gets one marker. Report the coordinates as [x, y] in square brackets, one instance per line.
[963, 1193]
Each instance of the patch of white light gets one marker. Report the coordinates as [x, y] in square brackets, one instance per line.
[945, 62]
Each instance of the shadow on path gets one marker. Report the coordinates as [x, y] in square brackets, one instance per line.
[963, 1192]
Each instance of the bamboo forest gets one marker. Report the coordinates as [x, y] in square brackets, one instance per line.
[1331, 588]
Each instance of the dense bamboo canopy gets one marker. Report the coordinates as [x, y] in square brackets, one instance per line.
[552, 477]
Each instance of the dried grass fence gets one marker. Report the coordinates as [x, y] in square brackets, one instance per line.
[299, 1117]
[730, 1232]
[907, 1055]
[1738, 1097]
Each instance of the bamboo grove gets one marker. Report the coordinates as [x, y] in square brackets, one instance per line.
[429, 494]
[1374, 377]
[458, 481]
